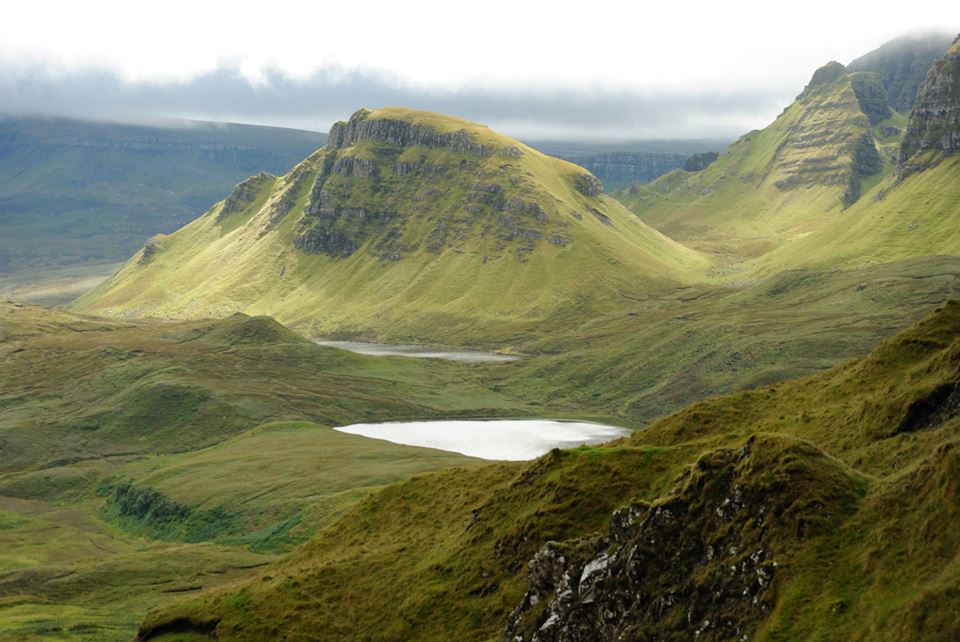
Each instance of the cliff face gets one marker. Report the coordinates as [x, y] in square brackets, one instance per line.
[871, 95]
[934, 126]
[830, 140]
[902, 64]
[618, 169]
[361, 127]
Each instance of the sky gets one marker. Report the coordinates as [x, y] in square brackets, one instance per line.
[561, 70]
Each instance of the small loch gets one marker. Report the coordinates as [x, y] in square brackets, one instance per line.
[417, 351]
[497, 439]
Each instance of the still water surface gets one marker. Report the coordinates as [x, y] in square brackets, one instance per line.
[401, 350]
[504, 439]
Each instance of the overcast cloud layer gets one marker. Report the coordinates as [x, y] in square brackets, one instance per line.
[600, 70]
[314, 103]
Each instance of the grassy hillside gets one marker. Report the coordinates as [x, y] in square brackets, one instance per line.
[789, 179]
[84, 193]
[144, 460]
[823, 500]
[663, 353]
[407, 224]
[916, 217]
[912, 213]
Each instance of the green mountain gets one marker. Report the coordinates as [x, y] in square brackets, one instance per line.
[813, 509]
[79, 193]
[826, 186]
[902, 65]
[911, 212]
[406, 224]
[818, 157]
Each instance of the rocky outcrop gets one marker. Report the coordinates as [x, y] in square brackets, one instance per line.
[866, 162]
[699, 162]
[902, 64]
[588, 185]
[338, 231]
[699, 564]
[403, 134]
[244, 194]
[826, 75]
[150, 248]
[934, 126]
[355, 167]
[871, 96]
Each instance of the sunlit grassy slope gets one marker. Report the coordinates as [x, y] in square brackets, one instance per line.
[917, 217]
[853, 471]
[409, 235]
[786, 180]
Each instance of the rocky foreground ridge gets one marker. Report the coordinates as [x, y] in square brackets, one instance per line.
[702, 561]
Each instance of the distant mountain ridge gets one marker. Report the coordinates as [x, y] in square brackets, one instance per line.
[78, 192]
[619, 164]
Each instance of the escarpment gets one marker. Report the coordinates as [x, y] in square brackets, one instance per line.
[391, 131]
[831, 142]
[934, 127]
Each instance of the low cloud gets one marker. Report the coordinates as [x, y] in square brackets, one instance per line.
[319, 100]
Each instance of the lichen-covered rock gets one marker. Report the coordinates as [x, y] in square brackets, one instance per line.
[934, 126]
[243, 194]
[150, 248]
[699, 564]
[588, 185]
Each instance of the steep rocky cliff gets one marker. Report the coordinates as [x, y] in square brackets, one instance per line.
[902, 64]
[618, 169]
[934, 126]
[405, 133]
